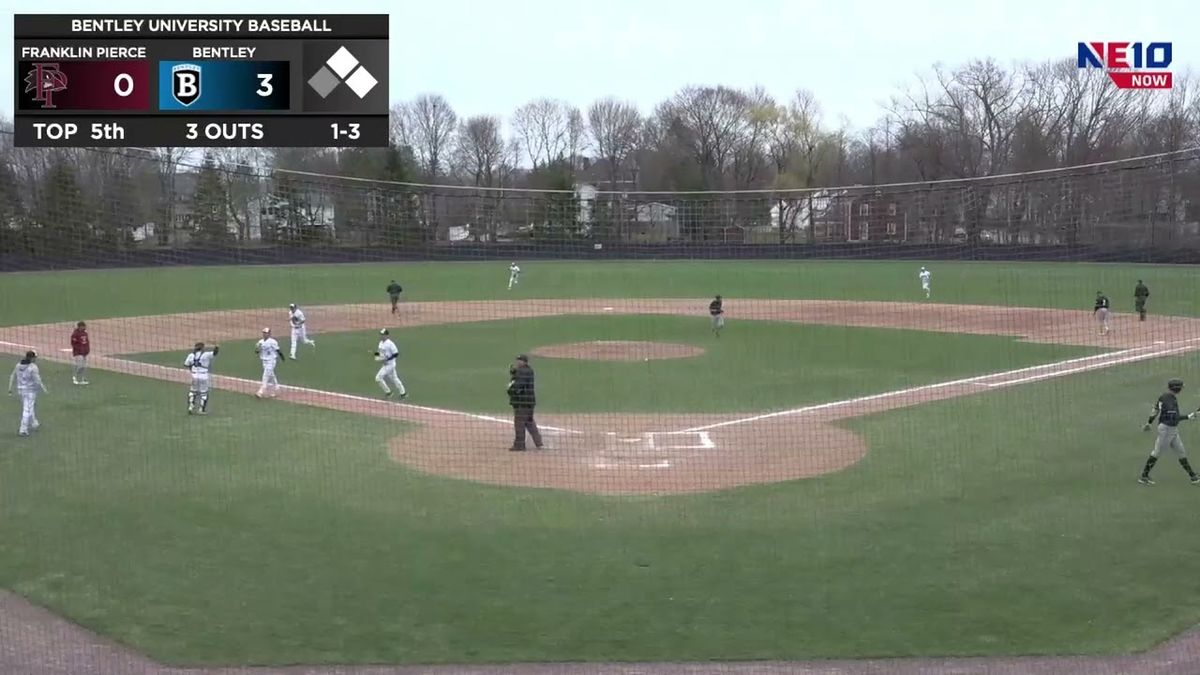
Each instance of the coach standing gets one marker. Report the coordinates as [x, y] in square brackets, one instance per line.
[1140, 295]
[523, 400]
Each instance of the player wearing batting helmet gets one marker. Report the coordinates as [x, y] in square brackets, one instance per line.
[1166, 411]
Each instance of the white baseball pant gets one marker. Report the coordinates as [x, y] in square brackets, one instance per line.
[270, 383]
[300, 334]
[386, 374]
[29, 420]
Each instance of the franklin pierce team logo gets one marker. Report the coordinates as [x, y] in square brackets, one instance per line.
[45, 80]
[185, 83]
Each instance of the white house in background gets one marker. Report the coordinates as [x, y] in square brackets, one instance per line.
[654, 222]
[793, 214]
[585, 193]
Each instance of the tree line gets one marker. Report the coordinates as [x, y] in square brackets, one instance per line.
[975, 120]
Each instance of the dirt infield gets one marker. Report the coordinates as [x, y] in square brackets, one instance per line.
[609, 454]
[629, 454]
[619, 350]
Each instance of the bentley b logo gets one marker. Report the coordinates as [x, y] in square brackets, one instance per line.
[185, 83]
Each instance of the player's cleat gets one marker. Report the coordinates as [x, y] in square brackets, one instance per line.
[387, 394]
[1145, 480]
[201, 412]
[516, 449]
[84, 382]
[191, 410]
[22, 433]
[74, 381]
[403, 396]
[1196, 480]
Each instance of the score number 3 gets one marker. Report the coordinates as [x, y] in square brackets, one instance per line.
[265, 88]
[350, 131]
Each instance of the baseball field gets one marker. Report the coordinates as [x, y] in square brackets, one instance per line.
[848, 471]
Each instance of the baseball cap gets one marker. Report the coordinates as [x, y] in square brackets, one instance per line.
[266, 330]
[31, 354]
[383, 331]
[522, 357]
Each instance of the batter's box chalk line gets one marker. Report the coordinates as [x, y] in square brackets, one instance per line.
[679, 440]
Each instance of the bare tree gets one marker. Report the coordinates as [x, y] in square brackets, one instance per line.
[167, 163]
[244, 170]
[710, 123]
[430, 124]
[615, 128]
[549, 130]
[797, 146]
[480, 149]
[399, 132]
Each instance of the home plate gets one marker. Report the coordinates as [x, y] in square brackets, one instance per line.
[67, 349]
[608, 309]
[631, 440]
[665, 464]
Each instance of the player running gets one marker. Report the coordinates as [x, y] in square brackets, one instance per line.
[925, 276]
[514, 275]
[199, 363]
[269, 353]
[28, 382]
[81, 346]
[387, 353]
[299, 329]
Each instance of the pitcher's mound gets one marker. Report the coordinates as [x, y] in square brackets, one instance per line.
[619, 350]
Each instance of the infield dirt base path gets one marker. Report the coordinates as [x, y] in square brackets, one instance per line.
[628, 453]
[617, 454]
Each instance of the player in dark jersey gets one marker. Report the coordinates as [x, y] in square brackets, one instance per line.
[1100, 311]
[1140, 295]
[394, 292]
[1166, 411]
[716, 310]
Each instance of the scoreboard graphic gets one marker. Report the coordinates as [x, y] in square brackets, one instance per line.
[201, 80]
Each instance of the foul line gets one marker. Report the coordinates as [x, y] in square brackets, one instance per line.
[1105, 360]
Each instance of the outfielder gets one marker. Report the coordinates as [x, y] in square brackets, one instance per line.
[1100, 311]
[269, 353]
[299, 329]
[28, 381]
[81, 346]
[199, 362]
[514, 275]
[387, 353]
[1166, 411]
[925, 275]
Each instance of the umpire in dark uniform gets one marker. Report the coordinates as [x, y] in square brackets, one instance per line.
[523, 400]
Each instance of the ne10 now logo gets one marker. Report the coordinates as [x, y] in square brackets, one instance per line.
[1130, 65]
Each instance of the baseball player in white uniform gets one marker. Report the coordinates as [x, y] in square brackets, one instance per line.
[199, 362]
[269, 353]
[514, 275]
[925, 275]
[387, 353]
[299, 329]
[28, 382]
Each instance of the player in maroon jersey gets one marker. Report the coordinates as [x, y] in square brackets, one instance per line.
[81, 346]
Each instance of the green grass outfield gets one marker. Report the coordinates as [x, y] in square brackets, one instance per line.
[757, 365]
[62, 296]
[1003, 523]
